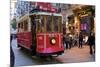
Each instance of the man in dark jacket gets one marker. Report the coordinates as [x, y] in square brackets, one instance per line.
[91, 42]
[80, 40]
[67, 40]
[12, 57]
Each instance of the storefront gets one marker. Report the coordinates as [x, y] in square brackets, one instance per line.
[85, 19]
[71, 26]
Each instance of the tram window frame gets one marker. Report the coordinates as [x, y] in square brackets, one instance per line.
[21, 25]
[25, 25]
[48, 23]
[60, 24]
[38, 29]
[40, 24]
[42, 20]
[56, 23]
[52, 23]
[18, 27]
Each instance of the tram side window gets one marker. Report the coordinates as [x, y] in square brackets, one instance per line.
[21, 27]
[60, 24]
[18, 27]
[38, 26]
[25, 25]
[42, 24]
[55, 23]
[48, 23]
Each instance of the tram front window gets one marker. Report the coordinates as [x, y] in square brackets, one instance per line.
[54, 24]
[40, 24]
[47, 23]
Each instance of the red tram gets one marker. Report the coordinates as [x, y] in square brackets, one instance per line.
[41, 33]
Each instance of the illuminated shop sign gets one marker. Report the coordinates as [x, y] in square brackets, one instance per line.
[83, 13]
[83, 26]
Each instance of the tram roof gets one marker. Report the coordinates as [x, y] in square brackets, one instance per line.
[46, 13]
[39, 13]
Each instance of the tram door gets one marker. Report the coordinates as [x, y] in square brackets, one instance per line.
[33, 30]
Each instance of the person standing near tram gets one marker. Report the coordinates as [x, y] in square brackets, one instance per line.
[12, 56]
[70, 41]
[67, 41]
[80, 40]
[91, 42]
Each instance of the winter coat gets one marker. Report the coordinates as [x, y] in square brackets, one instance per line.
[91, 40]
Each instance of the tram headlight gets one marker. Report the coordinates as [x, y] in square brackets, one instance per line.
[53, 40]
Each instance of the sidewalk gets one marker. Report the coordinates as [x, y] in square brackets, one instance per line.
[75, 55]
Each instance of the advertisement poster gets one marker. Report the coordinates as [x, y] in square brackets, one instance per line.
[47, 33]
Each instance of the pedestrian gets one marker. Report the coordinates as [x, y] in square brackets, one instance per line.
[64, 40]
[76, 40]
[67, 41]
[91, 43]
[80, 40]
[11, 38]
[70, 42]
[12, 57]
